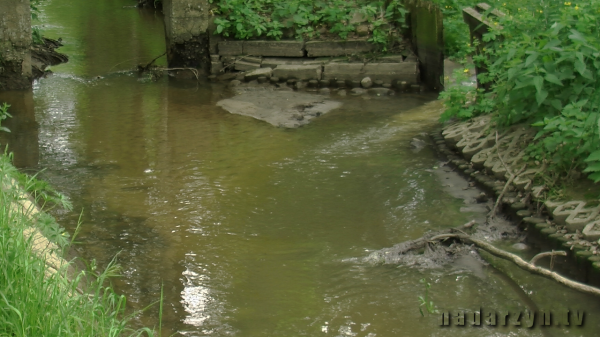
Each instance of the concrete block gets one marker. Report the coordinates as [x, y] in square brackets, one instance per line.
[260, 72]
[231, 48]
[274, 48]
[392, 59]
[245, 66]
[216, 68]
[337, 48]
[301, 72]
[274, 62]
[386, 72]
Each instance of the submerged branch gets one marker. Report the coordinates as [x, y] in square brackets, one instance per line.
[530, 267]
[542, 255]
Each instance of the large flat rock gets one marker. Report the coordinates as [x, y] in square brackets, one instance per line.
[300, 72]
[337, 48]
[274, 48]
[387, 72]
[286, 109]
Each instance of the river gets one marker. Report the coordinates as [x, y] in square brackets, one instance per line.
[249, 229]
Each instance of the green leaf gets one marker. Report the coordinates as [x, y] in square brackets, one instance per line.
[531, 58]
[538, 82]
[595, 177]
[219, 29]
[576, 36]
[595, 156]
[540, 96]
[594, 167]
[580, 67]
[553, 79]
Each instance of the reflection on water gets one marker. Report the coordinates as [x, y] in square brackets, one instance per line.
[249, 228]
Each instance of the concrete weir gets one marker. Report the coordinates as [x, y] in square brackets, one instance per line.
[186, 32]
[15, 44]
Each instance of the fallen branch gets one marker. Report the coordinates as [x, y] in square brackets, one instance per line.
[542, 255]
[530, 267]
[147, 66]
[508, 182]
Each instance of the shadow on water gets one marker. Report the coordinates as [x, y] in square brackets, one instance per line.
[248, 226]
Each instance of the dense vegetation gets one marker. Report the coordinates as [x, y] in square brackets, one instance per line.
[34, 302]
[308, 19]
[544, 70]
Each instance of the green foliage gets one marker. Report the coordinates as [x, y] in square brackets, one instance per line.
[458, 97]
[424, 301]
[36, 36]
[35, 11]
[544, 70]
[36, 302]
[4, 115]
[244, 19]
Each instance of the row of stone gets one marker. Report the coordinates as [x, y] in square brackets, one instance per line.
[495, 153]
[336, 71]
[555, 233]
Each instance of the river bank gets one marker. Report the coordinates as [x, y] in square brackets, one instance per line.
[494, 159]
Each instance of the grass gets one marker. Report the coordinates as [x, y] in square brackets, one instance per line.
[34, 302]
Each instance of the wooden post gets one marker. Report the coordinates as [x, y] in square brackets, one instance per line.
[478, 26]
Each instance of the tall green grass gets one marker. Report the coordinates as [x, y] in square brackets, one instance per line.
[34, 302]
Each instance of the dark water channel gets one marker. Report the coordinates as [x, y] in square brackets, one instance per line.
[248, 227]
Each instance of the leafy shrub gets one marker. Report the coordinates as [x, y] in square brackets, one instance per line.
[544, 68]
[244, 19]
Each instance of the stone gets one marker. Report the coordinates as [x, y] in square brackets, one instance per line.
[378, 83]
[366, 82]
[379, 91]
[274, 62]
[256, 73]
[362, 30]
[262, 79]
[274, 79]
[245, 66]
[274, 48]
[324, 91]
[355, 84]
[301, 72]
[215, 58]
[231, 48]
[300, 85]
[280, 108]
[228, 60]
[387, 85]
[592, 231]
[313, 83]
[358, 91]
[340, 84]
[342, 92]
[291, 81]
[324, 83]
[520, 246]
[234, 83]
[216, 68]
[337, 48]
[387, 72]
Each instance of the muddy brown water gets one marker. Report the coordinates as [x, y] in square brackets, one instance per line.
[251, 230]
